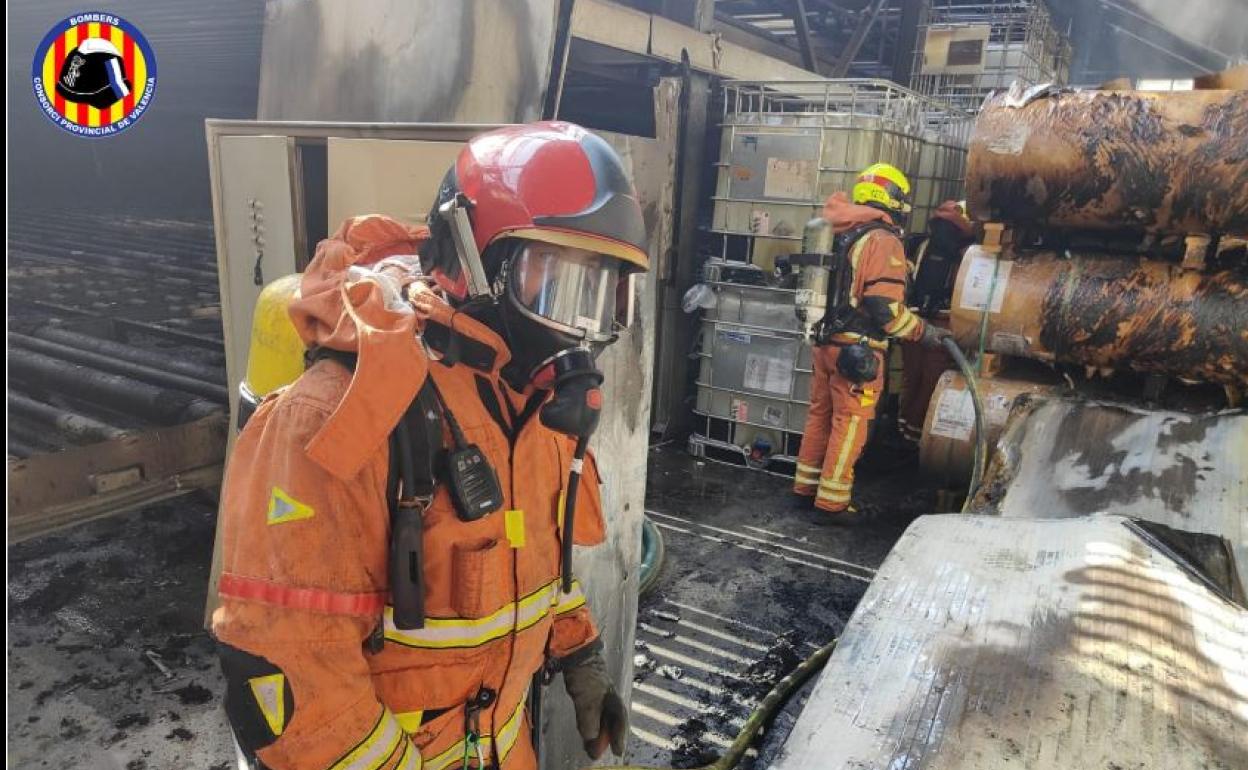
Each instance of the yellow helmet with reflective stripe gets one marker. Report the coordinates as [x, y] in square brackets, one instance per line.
[884, 185]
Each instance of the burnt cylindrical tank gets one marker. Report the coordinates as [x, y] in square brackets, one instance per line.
[1163, 162]
[947, 446]
[1107, 312]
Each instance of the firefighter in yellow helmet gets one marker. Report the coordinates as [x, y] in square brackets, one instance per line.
[849, 369]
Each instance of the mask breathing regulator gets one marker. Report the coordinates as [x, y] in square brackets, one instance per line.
[566, 362]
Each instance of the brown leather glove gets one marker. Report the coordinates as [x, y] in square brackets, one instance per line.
[601, 717]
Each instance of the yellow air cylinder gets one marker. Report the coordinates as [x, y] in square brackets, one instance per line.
[275, 357]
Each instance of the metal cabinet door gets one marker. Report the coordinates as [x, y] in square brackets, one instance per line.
[257, 208]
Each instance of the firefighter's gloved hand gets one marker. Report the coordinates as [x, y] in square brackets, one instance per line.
[933, 335]
[601, 718]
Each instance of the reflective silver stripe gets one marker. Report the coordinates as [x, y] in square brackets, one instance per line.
[440, 633]
[846, 445]
[410, 759]
[507, 735]
[834, 485]
[376, 748]
[836, 497]
[854, 255]
[510, 731]
[572, 600]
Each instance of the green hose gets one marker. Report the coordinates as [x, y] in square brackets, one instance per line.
[760, 716]
[981, 437]
[653, 554]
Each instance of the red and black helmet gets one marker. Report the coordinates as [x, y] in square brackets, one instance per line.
[551, 181]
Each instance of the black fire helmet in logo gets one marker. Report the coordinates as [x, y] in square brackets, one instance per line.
[94, 74]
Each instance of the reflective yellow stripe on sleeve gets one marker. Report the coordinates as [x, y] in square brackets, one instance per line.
[855, 254]
[572, 600]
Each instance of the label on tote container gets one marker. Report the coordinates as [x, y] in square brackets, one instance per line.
[955, 415]
[773, 416]
[740, 410]
[978, 285]
[790, 179]
[770, 373]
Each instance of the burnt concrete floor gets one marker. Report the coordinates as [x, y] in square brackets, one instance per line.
[109, 667]
[755, 580]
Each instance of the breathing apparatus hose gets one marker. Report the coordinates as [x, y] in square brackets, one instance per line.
[569, 511]
[981, 439]
[761, 715]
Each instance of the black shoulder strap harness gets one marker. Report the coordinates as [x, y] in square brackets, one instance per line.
[840, 316]
[415, 449]
[419, 462]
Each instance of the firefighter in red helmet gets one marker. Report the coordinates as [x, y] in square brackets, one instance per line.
[397, 523]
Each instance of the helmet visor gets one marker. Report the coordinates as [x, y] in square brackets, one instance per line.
[569, 289]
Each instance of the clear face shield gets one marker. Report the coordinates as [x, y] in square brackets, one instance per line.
[573, 291]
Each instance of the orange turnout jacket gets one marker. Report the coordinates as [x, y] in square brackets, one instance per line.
[321, 676]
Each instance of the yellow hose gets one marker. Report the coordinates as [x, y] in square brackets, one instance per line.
[759, 717]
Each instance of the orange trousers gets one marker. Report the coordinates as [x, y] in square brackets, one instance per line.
[836, 431]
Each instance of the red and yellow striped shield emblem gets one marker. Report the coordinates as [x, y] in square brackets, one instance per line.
[94, 74]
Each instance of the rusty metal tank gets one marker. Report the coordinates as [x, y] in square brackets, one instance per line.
[1107, 312]
[1157, 162]
[947, 446]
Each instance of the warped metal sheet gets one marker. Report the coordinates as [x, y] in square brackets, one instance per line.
[1066, 457]
[987, 642]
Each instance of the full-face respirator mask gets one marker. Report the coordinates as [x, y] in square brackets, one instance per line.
[557, 306]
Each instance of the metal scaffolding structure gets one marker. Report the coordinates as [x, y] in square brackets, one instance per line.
[967, 51]
[785, 147]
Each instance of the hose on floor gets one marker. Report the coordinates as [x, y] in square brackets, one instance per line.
[653, 555]
[760, 716]
[981, 438]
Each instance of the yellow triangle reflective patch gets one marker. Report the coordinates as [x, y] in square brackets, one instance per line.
[284, 508]
[894, 262]
[268, 691]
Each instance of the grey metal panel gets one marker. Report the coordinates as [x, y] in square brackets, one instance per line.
[986, 642]
[481, 61]
[1065, 457]
[259, 227]
[610, 572]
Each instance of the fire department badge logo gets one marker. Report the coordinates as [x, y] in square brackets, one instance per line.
[94, 74]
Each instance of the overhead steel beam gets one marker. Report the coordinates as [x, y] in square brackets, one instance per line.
[747, 35]
[798, 13]
[913, 14]
[618, 26]
[841, 68]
